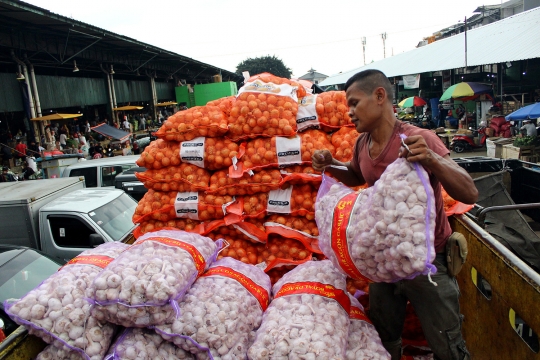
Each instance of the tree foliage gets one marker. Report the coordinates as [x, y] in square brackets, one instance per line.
[267, 63]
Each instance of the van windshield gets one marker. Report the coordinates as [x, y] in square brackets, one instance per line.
[115, 217]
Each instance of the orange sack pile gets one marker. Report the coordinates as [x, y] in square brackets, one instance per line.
[207, 121]
[165, 206]
[208, 153]
[332, 109]
[261, 181]
[225, 104]
[280, 151]
[185, 177]
[343, 141]
[265, 106]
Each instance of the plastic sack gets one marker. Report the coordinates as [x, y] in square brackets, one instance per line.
[207, 153]
[294, 227]
[58, 312]
[281, 251]
[327, 111]
[308, 317]
[270, 78]
[301, 174]
[53, 353]
[279, 151]
[384, 233]
[364, 341]
[221, 311]
[165, 206]
[185, 177]
[454, 207]
[261, 181]
[208, 121]
[144, 344]
[225, 104]
[344, 140]
[248, 229]
[188, 225]
[141, 286]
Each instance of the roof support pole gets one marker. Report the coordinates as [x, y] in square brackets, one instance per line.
[29, 92]
[36, 96]
[154, 95]
[109, 91]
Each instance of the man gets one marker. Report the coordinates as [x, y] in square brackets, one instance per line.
[63, 139]
[126, 123]
[27, 172]
[20, 151]
[369, 96]
[6, 175]
[142, 123]
[529, 127]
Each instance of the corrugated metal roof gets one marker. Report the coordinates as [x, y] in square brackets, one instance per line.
[127, 90]
[57, 92]
[511, 39]
[10, 93]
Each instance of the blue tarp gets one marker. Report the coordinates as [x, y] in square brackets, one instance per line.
[111, 132]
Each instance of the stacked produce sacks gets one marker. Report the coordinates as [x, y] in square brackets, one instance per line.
[239, 168]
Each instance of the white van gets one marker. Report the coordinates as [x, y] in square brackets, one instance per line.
[101, 172]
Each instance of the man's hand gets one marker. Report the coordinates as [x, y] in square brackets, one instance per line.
[321, 159]
[418, 150]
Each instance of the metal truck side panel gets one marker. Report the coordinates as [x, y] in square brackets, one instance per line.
[486, 327]
[17, 226]
[20, 345]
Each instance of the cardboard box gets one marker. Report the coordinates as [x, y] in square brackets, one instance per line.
[491, 148]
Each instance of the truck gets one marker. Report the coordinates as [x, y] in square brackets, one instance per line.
[62, 218]
[500, 290]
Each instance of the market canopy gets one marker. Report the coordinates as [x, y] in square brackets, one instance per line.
[168, 103]
[110, 131]
[525, 113]
[128, 107]
[56, 117]
[516, 38]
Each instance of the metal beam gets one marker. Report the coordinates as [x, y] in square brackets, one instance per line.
[146, 62]
[77, 53]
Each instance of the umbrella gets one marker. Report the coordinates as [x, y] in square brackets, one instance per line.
[56, 117]
[110, 131]
[527, 112]
[465, 89]
[412, 101]
[128, 107]
[168, 103]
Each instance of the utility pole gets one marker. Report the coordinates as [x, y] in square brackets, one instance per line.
[364, 48]
[465, 41]
[383, 35]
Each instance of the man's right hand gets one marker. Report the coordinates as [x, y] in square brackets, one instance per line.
[321, 159]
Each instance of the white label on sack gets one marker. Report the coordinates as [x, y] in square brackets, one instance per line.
[307, 117]
[259, 86]
[193, 151]
[186, 205]
[279, 201]
[288, 150]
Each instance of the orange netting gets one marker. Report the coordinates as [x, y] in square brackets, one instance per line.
[260, 181]
[343, 141]
[207, 121]
[185, 177]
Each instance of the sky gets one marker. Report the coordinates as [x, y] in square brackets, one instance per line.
[323, 35]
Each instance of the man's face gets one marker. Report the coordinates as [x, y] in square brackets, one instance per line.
[363, 109]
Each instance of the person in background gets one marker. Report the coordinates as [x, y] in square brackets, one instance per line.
[126, 150]
[20, 152]
[369, 97]
[442, 116]
[7, 156]
[529, 128]
[125, 124]
[27, 172]
[63, 139]
[142, 123]
[7, 176]
[136, 149]
[33, 149]
[87, 128]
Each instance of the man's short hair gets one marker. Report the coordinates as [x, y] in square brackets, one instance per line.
[369, 80]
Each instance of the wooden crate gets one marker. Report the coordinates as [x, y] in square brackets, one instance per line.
[513, 152]
[530, 158]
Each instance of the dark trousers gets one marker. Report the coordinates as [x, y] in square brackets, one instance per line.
[437, 308]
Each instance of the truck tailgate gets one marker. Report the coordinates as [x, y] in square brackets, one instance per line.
[514, 288]
[20, 345]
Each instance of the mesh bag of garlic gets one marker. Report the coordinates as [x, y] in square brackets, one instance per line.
[364, 341]
[57, 310]
[384, 233]
[308, 317]
[144, 344]
[221, 311]
[139, 288]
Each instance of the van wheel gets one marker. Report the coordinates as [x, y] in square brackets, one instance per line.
[459, 147]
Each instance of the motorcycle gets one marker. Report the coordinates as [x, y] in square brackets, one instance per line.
[463, 142]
